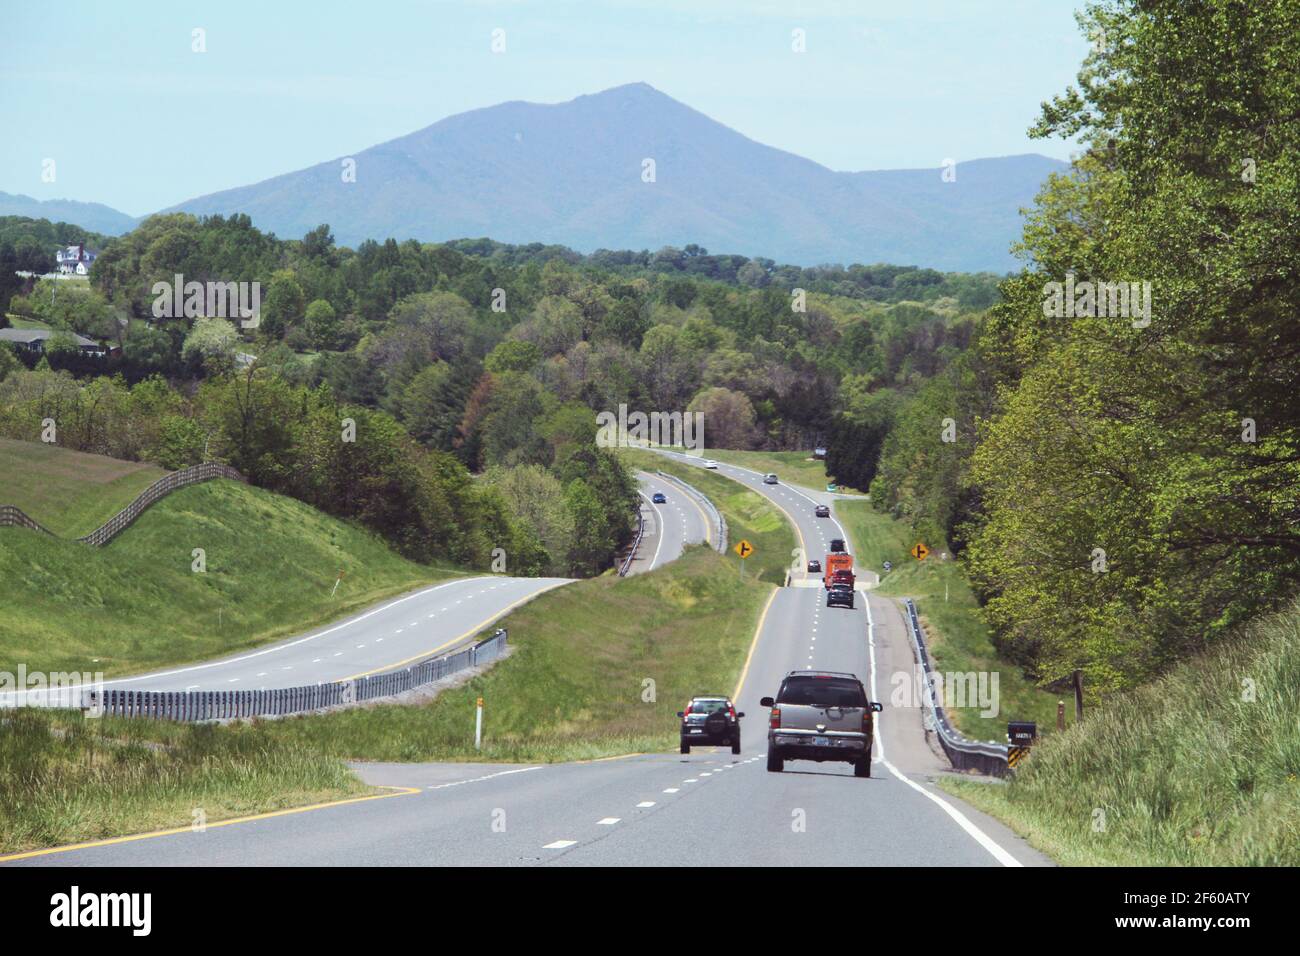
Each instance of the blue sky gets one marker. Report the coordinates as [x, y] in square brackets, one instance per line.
[134, 119]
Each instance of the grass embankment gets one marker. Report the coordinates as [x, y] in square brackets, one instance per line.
[956, 634]
[65, 779]
[791, 467]
[69, 492]
[136, 604]
[1199, 768]
[576, 685]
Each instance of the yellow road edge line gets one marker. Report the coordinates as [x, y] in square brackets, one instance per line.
[607, 759]
[758, 631]
[29, 854]
[456, 640]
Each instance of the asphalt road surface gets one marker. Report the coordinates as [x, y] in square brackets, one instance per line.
[709, 808]
[669, 527]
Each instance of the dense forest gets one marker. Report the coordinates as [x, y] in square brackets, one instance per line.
[1123, 492]
[467, 358]
[1127, 493]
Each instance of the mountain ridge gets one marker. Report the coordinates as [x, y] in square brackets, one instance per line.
[571, 173]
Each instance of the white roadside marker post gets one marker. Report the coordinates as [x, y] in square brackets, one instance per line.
[478, 725]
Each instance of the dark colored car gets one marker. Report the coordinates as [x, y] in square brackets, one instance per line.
[839, 595]
[814, 567]
[822, 511]
[658, 498]
[710, 722]
[837, 545]
[821, 715]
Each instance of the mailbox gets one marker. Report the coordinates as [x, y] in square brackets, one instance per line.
[1022, 733]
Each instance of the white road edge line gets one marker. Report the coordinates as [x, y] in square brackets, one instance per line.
[280, 647]
[978, 835]
[499, 773]
[660, 517]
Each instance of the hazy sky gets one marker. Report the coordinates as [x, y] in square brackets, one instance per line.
[133, 118]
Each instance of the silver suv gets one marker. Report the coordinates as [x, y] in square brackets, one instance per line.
[821, 715]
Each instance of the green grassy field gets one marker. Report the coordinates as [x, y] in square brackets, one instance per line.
[20, 322]
[792, 467]
[69, 492]
[136, 604]
[576, 684]
[65, 779]
[1199, 768]
[955, 630]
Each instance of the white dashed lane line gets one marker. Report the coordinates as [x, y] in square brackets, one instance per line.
[559, 845]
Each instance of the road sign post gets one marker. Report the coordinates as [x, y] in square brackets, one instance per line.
[478, 725]
[744, 549]
[1021, 735]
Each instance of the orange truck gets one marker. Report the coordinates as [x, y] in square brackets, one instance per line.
[837, 569]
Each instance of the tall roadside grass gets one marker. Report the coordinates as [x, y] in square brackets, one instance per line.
[956, 634]
[1199, 768]
[65, 779]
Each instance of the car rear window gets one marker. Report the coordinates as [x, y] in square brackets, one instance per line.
[822, 692]
[707, 706]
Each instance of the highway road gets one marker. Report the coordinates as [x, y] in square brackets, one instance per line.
[409, 628]
[708, 808]
[670, 526]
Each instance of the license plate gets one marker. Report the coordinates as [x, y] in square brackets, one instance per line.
[822, 742]
[695, 730]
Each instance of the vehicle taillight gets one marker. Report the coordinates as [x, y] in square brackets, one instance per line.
[732, 711]
[866, 721]
[775, 722]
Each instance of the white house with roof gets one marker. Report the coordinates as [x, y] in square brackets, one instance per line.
[75, 260]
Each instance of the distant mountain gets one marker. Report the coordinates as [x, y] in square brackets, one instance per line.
[571, 173]
[88, 215]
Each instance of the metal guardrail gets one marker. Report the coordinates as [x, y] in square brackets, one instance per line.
[227, 704]
[626, 566]
[963, 753]
[719, 522]
[13, 516]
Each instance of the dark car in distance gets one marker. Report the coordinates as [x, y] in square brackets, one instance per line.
[710, 722]
[822, 511]
[659, 498]
[837, 546]
[839, 595]
[814, 567]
